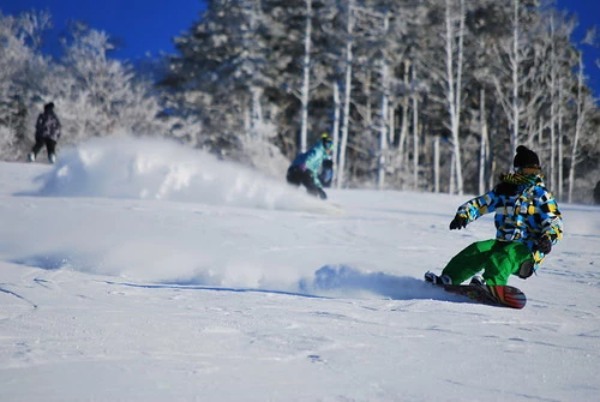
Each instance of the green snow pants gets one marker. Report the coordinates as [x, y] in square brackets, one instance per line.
[498, 259]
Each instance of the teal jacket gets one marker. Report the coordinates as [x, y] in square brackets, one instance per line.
[525, 211]
[312, 160]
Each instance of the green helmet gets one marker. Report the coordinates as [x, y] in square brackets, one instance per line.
[327, 141]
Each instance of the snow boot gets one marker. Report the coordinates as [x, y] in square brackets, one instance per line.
[477, 280]
[437, 280]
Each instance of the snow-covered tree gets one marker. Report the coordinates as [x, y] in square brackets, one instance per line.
[22, 69]
[454, 40]
[418, 94]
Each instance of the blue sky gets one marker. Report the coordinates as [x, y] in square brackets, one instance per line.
[588, 15]
[139, 26]
[145, 27]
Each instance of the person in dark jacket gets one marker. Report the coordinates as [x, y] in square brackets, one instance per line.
[305, 169]
[47, 132]
[528, 224]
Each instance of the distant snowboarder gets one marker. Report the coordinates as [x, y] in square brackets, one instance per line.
[47, 132]
[305, 169]
[528, 224]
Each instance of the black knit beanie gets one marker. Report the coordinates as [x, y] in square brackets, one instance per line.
[525, 157]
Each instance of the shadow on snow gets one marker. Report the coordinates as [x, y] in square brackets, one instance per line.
[334, 281]
[329, 281]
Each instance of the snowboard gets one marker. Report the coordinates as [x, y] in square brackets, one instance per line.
[492, 295]
[501, 296]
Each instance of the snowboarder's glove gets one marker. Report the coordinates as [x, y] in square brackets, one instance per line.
[526, 269]
[327, 164]
[545, 245]
[459, 222]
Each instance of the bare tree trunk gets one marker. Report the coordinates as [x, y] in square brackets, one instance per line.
[452, 183]
[255, 91]
[483, 149]
[553, 100]
[391, 124]
[368, 115]
[492, 164]
[405, 122]
[415, 128]
[436, 164]
[515, 62]
[256, 112]
[383, 129]
[578, 127]
[306, 77]
[336, 120]
[382, 151]
[246, 117]
[509, 99]
[561, 172]
[553, 174]
[454, 93]
[347, 93]
[559, 189]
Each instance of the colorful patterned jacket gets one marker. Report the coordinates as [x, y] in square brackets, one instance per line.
[525, 211]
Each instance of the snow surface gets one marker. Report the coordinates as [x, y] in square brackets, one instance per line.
[144, 271]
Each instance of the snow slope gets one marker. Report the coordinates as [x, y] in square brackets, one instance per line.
[142, 271]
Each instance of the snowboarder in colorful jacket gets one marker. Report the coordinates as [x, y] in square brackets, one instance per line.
[305, 169]
[47, 132]
[528, 223]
